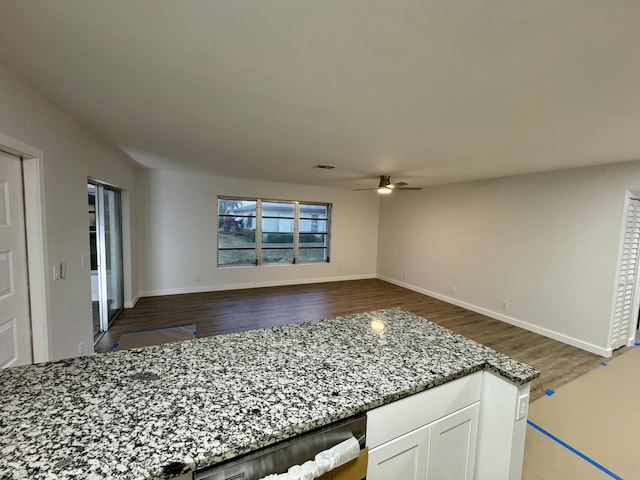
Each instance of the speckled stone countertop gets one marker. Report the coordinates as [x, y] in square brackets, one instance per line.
[128, 414]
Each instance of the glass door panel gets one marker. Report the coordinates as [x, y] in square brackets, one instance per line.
[105, 235]
[112, 263]
[93, 248]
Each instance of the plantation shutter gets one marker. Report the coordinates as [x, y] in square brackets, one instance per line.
[627, 273]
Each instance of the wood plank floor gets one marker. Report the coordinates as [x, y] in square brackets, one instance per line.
[217, 313]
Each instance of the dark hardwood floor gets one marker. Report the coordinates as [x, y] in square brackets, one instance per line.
[217, 313]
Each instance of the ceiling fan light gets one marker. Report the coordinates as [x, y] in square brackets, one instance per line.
[384, 190]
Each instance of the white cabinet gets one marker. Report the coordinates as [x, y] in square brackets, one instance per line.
[404, 457]
[466, 429]
[452, 445]
[430, 435]
[445, 448]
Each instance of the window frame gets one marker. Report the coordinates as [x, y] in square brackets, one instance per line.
[259, 247]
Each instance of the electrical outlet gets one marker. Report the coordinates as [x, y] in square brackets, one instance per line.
[504, 304]
[452, 288]
[523, 406]
[81, 348]
[56, 272]
[404, 275]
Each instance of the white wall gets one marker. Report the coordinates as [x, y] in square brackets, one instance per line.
[177, 228]
[546, 243]
[70, 155]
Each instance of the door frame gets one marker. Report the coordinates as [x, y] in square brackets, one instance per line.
[37, 258]
[105, 321]
[635, 306]
[635, 310]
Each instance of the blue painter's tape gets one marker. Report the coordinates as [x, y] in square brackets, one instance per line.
[115, 345]
[549, 392]
[604, 364]
[637, 344]
[573, 450]
[195, 333]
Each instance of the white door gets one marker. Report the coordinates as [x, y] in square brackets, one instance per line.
[15, 323]
[627, 275]
[403, 458]
[452, 445]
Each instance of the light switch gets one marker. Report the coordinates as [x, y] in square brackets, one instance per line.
[60, 271]
[523, 406]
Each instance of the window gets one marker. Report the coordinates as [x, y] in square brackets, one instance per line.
[237, 231]
[257, 232]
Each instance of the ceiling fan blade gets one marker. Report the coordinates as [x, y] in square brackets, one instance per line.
[408, 188]
[360, 189]
[369, 185]
[397, 184]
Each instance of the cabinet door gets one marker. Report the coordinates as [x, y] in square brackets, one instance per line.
[452, 445]
[403, 458]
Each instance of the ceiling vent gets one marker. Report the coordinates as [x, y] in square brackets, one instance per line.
[325, 167]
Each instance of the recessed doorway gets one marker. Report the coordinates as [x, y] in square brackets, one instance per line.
[105, 237]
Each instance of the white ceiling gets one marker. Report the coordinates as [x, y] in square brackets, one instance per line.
[429, 91]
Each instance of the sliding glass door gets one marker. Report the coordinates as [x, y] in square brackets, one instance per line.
[106, 256]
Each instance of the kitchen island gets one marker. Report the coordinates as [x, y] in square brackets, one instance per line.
[166, 410]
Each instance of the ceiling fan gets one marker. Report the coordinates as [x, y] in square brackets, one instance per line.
[385, 186]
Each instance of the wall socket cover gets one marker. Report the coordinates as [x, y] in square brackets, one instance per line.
[522, 407]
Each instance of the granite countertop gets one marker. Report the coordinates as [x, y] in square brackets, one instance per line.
[128, 414]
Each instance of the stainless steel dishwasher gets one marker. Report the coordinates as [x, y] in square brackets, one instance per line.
[279, 457]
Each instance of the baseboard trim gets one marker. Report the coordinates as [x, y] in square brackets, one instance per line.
[132, 303]
[574, 342]
[244, 286]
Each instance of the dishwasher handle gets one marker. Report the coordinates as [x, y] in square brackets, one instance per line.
[281, 456]
[324, 462]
